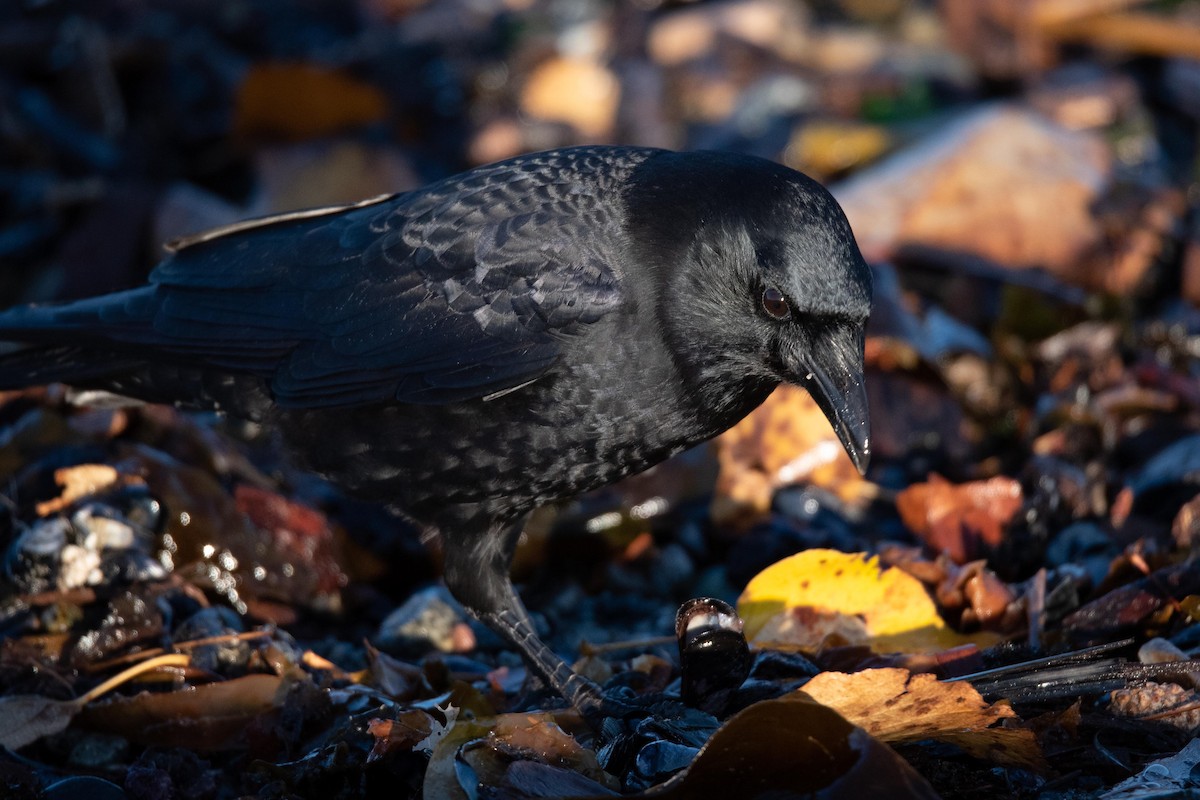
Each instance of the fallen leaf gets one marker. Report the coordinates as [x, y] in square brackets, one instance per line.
[826, 147]
[786, 440]
[960, 520]
[895, 705]
[577, 91]
[792, 746]
[77, 482]
[29, 717]
[1128, 607]
[981, 597]
[823, 596]
[399, 735]
[209, 717]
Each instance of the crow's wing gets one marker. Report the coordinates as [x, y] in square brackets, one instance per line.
[461, 290]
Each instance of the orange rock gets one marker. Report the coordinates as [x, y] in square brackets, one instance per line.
[1003, 183]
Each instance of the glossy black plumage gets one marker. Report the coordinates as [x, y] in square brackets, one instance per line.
[517, 334]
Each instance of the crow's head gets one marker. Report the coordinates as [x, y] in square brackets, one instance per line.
[761, 281]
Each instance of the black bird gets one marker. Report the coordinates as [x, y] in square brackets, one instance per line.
[514, 335]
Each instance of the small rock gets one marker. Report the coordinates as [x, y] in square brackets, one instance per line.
[429, 619]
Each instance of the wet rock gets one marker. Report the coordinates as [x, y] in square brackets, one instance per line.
[92, 547]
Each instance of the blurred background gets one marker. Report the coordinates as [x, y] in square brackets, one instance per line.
[1039, 131]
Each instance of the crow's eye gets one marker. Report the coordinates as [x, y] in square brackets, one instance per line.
[775, 304]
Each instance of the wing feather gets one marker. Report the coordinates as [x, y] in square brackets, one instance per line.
[463, 290]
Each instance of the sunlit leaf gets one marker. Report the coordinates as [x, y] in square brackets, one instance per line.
[896, 706]
[824, 596]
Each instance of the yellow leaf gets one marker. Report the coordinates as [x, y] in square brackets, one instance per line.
[812, 597]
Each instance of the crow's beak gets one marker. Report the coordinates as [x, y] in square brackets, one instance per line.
[834, 377]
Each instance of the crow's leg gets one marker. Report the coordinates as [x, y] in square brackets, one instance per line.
[478, 554]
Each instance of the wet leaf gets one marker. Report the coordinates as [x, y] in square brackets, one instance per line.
[441, 777]
[793, 746]
[209, 717]
[894, 705]
[1127, 607]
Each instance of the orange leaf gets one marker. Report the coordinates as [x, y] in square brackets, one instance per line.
[787, 439]
[960, 520]
[303, 101]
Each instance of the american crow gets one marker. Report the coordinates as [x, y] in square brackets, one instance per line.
[503, 338]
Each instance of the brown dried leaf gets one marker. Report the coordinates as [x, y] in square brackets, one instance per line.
[981, 596]
[399, 735]
[1127, 608]
[210, 717]
[897, 706]
[960, 520]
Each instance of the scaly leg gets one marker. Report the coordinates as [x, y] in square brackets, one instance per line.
[478, 554]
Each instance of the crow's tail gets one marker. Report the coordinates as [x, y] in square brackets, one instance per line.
[108, 343]
[71, 342]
